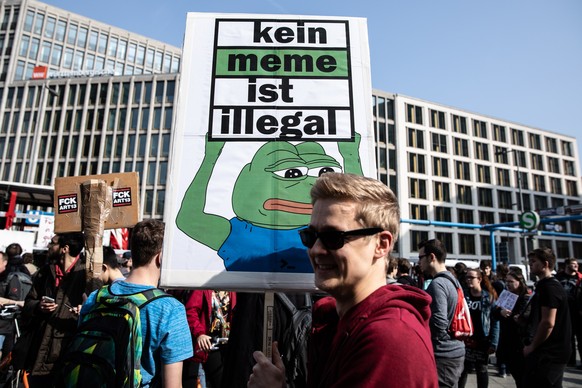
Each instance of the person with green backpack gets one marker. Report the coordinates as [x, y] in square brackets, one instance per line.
[162, 336]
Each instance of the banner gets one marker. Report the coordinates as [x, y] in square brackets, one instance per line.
[266, 104]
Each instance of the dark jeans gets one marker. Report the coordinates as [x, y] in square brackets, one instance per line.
[212, 371]
[541, 372]
[449, 370]
[576, 337]
[480, 371]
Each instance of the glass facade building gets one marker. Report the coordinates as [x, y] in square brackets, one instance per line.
[108, 105]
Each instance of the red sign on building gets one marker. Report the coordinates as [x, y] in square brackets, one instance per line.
[39, 72]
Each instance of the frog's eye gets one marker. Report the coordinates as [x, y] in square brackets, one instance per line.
[295, 172]
[319, 171]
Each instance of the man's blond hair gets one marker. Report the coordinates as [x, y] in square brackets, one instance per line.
[377, 204]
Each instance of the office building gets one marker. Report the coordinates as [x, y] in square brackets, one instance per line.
[80, 97]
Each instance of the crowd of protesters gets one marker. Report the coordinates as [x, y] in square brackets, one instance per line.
[380, 310]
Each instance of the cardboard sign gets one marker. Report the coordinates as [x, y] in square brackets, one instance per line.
[125, 201]
[267, 104]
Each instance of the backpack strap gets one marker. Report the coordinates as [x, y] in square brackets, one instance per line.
[442, 275]
[140, 298]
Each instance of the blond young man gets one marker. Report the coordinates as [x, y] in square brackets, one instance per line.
[354, 225]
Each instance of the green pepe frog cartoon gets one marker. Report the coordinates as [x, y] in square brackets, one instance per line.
[270, 200]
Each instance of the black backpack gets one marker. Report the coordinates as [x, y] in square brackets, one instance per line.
[293, 346]
[106, 349]
[18, 284]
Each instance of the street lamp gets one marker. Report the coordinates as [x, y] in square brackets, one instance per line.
[505, 151]
[38, 128]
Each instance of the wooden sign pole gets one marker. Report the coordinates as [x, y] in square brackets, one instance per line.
[268, 324]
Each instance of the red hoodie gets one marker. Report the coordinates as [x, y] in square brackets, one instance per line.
[384, 341]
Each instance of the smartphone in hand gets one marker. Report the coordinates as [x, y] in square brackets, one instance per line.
[48, 299]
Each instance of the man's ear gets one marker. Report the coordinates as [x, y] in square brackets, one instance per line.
[384, 244]
[104, 267]
[158, 259]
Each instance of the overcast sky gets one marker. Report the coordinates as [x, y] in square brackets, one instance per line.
[518, 60]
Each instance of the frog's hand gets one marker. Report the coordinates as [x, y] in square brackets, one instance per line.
[350, 152]
[208, 229]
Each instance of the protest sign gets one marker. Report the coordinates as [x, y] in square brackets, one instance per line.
[266, 104]
[507, 300]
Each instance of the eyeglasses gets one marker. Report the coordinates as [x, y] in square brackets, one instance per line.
[333, 239]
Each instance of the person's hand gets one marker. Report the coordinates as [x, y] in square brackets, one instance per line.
[75, 310]
[47, 307]
[267, 374]
[491, 350]
[204, 342]
[505, 313]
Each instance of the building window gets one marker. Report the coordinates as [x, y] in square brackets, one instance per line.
[439, 143]
[462, 171]
[440, 167]
[551, 145]
[418, 212]
[417, 188]
[437, 119]
[72, 35]
[93, 37]
[520, 158]
[569, 168]
[461, 147]
[567, 148]
[535, 141]
[464, 195]
[485, 246]
[553, 165]
[466, 244]
[102, 47]
[539, 183]
[537, 162]
[504, 199]
[571, 188]
[480, 129]
[521, 180]
[446, 239]
[517, 137]
[481, 151]
[441, 192]
[416, 237]
[112, 47]
[413, 114]
[459, 124]
[415, 138]
[416, 163]
[483, 173]
[465, 216]
[503, 177]
[28, 21]
[499, 133]
[486, 217]
[442, 213]
[557, 202]
[485, 197]
[555, 185]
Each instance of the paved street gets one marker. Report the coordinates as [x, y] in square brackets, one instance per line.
[572, 379]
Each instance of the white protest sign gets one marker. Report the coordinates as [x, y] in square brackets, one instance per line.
[507, 300]
[266, 104]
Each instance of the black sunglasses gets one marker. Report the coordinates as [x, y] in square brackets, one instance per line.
[333, 239]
